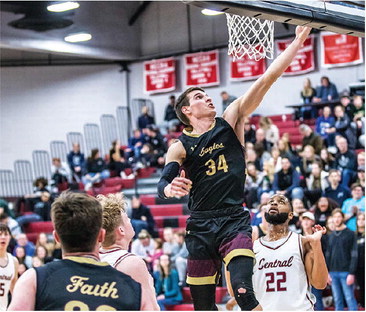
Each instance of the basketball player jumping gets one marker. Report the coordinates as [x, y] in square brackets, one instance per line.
[211, 152]
[8, 267]
[287, 263]
[114, 250]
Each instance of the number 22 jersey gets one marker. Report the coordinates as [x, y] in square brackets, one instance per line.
[279, 277]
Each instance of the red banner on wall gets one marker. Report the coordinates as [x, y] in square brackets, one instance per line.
[159, 75]
[246, 68]
[202, 69]
[340, 50]
[303, 61]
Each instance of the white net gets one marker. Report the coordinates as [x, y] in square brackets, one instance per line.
[250, 36]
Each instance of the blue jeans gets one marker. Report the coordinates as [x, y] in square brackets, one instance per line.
[163, 302]
[340, 288]
[318, 293]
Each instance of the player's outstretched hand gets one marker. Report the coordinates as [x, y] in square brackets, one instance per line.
[319, 231]
[302, 32]
[180, 186]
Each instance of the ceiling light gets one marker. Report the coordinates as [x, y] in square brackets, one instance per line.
[78, 37]
[63, 6]
[211, 12]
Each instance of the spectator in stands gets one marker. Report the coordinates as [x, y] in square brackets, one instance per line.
[249, 131]
[60, 174]
[307, 94]
[298, 209]
[13, 225]
[311, 138]
[323, 123]
[265, 186]
[262, 228]
[22, 241]
[179, 258]
[316, 183]
[37, 262]
[285, 151]
[96, 169]
[167, 284]
[307, 160]
[361, 176]
[21, 269]
[357, 108]
[307, 221]
[76, 162]
[41, 253]
[117, 161]
[253, 181]
[144, 247]
[341, 258]
[135, 144]
[352, 206]
[344, 127]
[361, 159]
[20, 254]
[226, 99]
[42, 240]
[158, 251]
[360, 129]
[336, 191]
[287, 181]
[272, 134]
[145, 119]
[171, 120]
[276, 158]
[360, 272]
[323, 209]
[169, 245]
[251, 156]
[345, 161]
[260, 139]
[256, 218]
[345, 102]
[141, 217]
[156, 140]
[41, 211]
[327, 159]
[327, 91]
[4, 207]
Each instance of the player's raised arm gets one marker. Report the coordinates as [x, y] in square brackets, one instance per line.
[170, 185]
[247, 103]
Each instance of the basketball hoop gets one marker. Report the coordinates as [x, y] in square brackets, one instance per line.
[250, 36]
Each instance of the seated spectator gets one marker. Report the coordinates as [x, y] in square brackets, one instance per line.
[37, 262]
[76, 162]
[361, 176]
[169, 245]
[262, 228]
[345, 161]
[327, 91]
[4, 207]
[323, 209]
[22, 241]
[327, 159]
[285, 151]
[227, 99]
[316, 183]
[167, 284]
[361, 159]
[352, 206]
[156, 140]
[260, 139]
[145, 119]
[22, 267]
[345, 102]
[360, 272]
[20, 254]
[307, 94]
[336, 191]
[307, 221]
[96, 169]
[171, 120]
[141, 217]
[343, 127]
[298, 210]
[13, 225]
[144, 247]
[256, 218]
[117, 161]
[265, 186]
[323, 124]
[262, 154]
[42, 240]
[41, 211]
[310, 138]
[180, 256]
[287, 181]
[60, 174]
[308, 158]
[42, 253]
[276, 158]
[249, 131]
[251, 156]
[158, 251]
[253, 181]
[357, 107]
[135, 144]
[271, 132]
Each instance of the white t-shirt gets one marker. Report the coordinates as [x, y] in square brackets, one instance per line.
[279, 278]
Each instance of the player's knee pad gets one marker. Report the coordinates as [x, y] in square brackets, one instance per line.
[241, 271]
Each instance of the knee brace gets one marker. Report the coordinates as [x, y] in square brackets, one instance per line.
[241, 271]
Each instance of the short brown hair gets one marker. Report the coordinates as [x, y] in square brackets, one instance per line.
[183, 100]
[113, 205]
[77, 219]
[338, 210]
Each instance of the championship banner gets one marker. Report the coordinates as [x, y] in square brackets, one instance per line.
[246, 69]
[303, 61]
[340, 50]
[159, 75]
[202, 69]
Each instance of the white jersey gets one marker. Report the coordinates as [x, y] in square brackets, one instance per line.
[7, 274]
[114, 256]
[279, 278]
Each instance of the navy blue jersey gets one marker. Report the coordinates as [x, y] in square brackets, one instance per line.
[80, 283]
[215, 163]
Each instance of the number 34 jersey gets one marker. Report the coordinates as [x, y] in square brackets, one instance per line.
[216, 165]
[279, 277]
